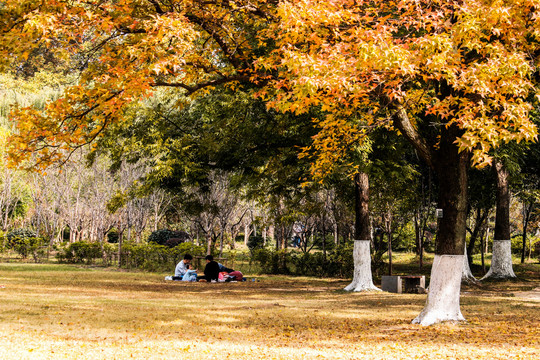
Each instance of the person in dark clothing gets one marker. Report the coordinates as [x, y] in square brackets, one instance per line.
[211, 270]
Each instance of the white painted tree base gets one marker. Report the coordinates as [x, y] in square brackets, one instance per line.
[444, 289]
[501, 261]
[467, 275]
[362, 279]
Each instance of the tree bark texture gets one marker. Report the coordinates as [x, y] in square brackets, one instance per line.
[451, 168]
[501, 259]
[502, 211]
[362, 278]
[362, 225]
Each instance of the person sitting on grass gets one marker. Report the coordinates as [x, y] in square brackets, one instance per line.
[182, 267]
[211, 270]
[230, 274]
[223, 268]
[191, 274]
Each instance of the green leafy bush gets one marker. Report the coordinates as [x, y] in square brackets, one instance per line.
[340, 261]
[17, 235]
[112, 236]
[272, 261]
[80, 252]
[255, 242]
[337, 263]
[532, 242]
[27, 246]
[309, 264]
[154, 257]
[535, 248]
[3, 241]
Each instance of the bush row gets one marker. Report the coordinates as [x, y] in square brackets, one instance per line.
[337, 262]
[25, 243]
[143, 256]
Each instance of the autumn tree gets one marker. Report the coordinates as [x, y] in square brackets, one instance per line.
[124, 51]
[452, 77]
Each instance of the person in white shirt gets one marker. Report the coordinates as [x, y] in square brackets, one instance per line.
[182, 267]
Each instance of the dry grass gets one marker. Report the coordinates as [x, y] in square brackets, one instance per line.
[57, 312]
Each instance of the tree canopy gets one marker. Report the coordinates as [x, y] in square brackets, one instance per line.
[122, 50]
[466, 64]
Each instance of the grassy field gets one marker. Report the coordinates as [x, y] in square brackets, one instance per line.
[50, 311]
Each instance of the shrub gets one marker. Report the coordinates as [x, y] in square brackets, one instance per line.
[309, 264]
[172, 242]
[536, 248]
[112, 236]
[30, 246]
[255, 242]
[80, 252]
[338, 262]
[2, 241]
[17, 235]
[154, 257]
[272, 261]
[531, 245]
[161, 237]
[109, 252]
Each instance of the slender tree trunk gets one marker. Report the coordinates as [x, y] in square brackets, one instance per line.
[247, 233]
[324, 240]
[501, 260]
[480, 219]
[421, 259]
[483, 250]
[362, 279]
[362, 227]
[417, 233]
[221, 245]
[389, 234]
[120, 243]
[209, 245]
[526, 216]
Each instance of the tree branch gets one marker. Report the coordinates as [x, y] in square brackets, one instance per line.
[194, 88]
[403, 123]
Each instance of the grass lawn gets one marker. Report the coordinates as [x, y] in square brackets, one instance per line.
[50, 311]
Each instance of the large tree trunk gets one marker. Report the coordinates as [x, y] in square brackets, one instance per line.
[443, 298]
[501, 260]
[362, 278]
[444, 289]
